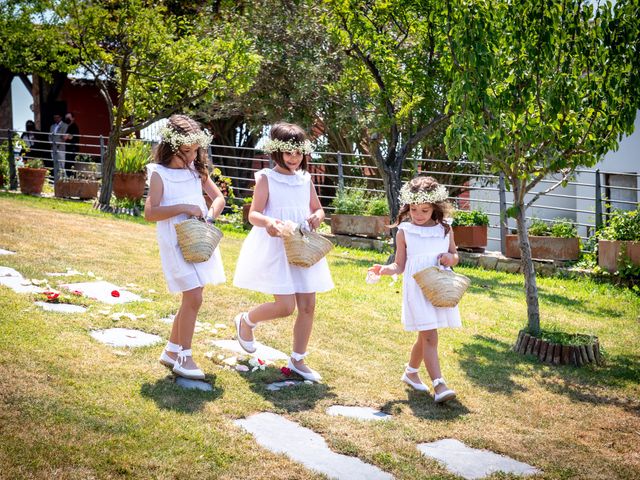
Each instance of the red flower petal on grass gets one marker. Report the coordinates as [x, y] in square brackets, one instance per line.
[261, 362]
[77, 292]
[286, 371]
[51, 296]
[115, 293]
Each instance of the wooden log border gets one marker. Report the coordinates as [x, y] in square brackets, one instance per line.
[555, 354]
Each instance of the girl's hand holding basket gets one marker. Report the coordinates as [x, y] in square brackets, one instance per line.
[447, 259]
[274, 227]
[193, 210]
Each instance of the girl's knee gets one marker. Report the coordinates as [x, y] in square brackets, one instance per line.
[285, 306]
[306, 308]
[429, 337]
[193, 298]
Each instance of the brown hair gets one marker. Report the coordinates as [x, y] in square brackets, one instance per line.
[440, 209]
[183, 125]
[288, 132]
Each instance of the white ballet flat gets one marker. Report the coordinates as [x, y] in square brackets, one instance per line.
[247, 345]
[165, 359]
[192, 373]
[421, 387]
[445, 395]
[312, 376]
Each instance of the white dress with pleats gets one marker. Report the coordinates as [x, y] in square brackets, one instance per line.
[424, 244]
[181, 185]
[262, 264]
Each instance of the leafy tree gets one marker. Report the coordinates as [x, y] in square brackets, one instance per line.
[149, 63]
[539, 89]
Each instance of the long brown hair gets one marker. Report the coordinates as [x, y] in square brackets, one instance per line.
[289, 132]
[441, 210]
[183, 125]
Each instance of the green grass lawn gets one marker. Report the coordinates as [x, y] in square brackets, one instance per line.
[73, 408]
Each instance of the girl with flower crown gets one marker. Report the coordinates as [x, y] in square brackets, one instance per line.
[178, 178]
[284, 193]
[424, 239]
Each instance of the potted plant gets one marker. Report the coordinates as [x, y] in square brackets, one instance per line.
[84, 185]
[470, 229]
[356, 214]
[619, 241]
[558, 241]
[246, 206]
[225, 186]
[131, 174]
[31, 176]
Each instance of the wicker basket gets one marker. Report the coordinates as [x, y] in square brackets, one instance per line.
[197, 239]
[304, 248]
[443, 288]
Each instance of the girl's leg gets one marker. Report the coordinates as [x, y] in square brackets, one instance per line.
[302, 328]
[282, 306]
[416, 358]
[431, 361]
[175, 337]
[186, 322]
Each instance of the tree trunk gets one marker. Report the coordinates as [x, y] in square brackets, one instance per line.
[109, 166]
[530, 286]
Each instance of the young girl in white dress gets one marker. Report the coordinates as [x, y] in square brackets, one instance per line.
[178, 178]
[424, 239]
[283, 193]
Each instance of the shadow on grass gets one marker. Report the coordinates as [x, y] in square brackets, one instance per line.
[170, 396]
[295, 398]
[423, 406]
[494, 287]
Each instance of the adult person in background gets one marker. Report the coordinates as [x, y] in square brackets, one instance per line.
[72, 139]
[35, 141]
[56, 138]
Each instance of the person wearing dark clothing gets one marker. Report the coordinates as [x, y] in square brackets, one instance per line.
[72, 139]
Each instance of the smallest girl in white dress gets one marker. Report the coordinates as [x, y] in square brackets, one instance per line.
[283, 193]
[175, 193]
[424, 239]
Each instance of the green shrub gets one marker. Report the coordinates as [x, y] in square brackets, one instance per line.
[223, 183]
[33, 163]
[350, 201]
[564, 228]
[469, 218]
[377, 205]
[132, 157]
[623, 225]
[538, 228]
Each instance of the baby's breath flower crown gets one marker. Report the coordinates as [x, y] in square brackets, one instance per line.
[275, 145]
[176, 140]
[407, 197]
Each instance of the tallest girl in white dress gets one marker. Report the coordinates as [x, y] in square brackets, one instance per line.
[285, 192]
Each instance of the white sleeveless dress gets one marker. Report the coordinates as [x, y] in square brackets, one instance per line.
[423, 246]
[262, 264]
[181, 185]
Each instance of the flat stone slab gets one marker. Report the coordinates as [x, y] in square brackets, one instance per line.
[101, 291]
[472, 463]
[20, 285]
[9, 272]
[360, 413]
[275, 386]
[193, 384]
[280, 435]
[6, 252]
[125, 337]
[61, 307]
[262, 352]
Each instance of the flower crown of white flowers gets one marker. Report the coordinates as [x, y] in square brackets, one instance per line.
[175, 139]
[407, 197]
[275, 145]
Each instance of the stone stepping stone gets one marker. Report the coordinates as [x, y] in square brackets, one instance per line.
[262, 352]
[280, 435]
[125, 337]
[9, 272]
[61, 307]
[275, 386]
[20, 285]
[69, 273]
[472, 463]
[360, 413]
[193, 384]
[6, 252]
[168, 320]
[101, 291]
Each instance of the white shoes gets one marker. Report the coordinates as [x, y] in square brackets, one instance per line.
[311, 375]
[445, 395]
[191, 373]
[421, 387]
[165, 359]
[247, 345]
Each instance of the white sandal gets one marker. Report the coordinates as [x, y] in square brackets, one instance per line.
[312, 375]
[165, 359]
[445, 395]
[247, 345]
[421, 387]
[178, 369]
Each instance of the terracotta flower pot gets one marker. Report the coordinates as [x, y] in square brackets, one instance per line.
[129, 185]
[473, 236]
[83, 189]
[365, 225]
[609, 253]
[32, 180]
[547, 248]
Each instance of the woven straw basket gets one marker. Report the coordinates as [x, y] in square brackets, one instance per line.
[197, 239]
[443, 288]
[304, 247]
